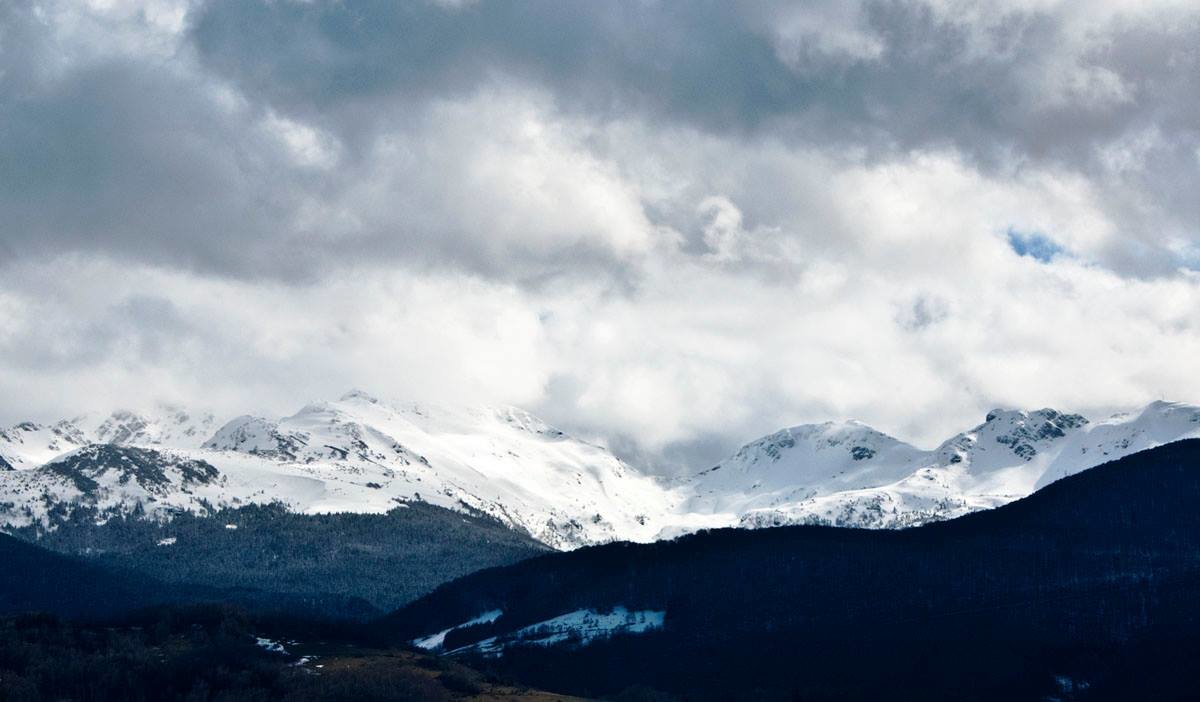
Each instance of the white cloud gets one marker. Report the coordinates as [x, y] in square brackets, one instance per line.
[309, 147]
[696, 353]
[815, 34]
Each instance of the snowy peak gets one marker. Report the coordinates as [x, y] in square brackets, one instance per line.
[28, 445]
[153, 471]
[357, 395]
[804, 475]
[1162, 419]
[257, 436]
[838, 441]
[166, 425]
[800, 463]
[124, 427]
[1008, 433]
[354, 429]
[1120, 435]
[160, 425]
[354, 454]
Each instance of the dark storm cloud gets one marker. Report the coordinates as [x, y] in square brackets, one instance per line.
[1023, 88]
[698, 60]
[130, 157]
[137, 155]
[1018, 89]
[124, 160]
[723, 66]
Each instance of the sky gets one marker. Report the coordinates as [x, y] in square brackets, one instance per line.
[671, 227]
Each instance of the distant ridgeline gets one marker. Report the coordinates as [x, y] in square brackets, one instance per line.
[1085, 590]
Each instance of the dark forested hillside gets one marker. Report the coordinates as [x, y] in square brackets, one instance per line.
[384, 559]
[221, 653]
[35, 580]
[73, 629]
[1087, 589]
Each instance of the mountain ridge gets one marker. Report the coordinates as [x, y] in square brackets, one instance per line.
[1010, 455]
[363, 454]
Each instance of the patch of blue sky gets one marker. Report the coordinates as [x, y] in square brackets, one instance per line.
[1189, 257]
[1035, 245]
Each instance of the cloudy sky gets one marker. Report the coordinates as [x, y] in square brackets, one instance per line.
[672, 226]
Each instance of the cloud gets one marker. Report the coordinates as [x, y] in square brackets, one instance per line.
[696, 360]
[673, 227]
[285, 139]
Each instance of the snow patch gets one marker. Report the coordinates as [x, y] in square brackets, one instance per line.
[435, 641]
[270, 646]
[578, 628]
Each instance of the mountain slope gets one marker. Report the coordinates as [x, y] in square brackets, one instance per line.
[28, 444]
[1073, 582]
[500, 461]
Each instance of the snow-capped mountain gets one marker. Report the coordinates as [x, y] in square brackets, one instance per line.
[356, 454]
[107, 477]
[166, 426]
[799, 463]
[361, 454]
[851, 475]
[1120, 435]
[28, 445]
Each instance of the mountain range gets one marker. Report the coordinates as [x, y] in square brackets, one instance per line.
[359, 454]
[1082, 590]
